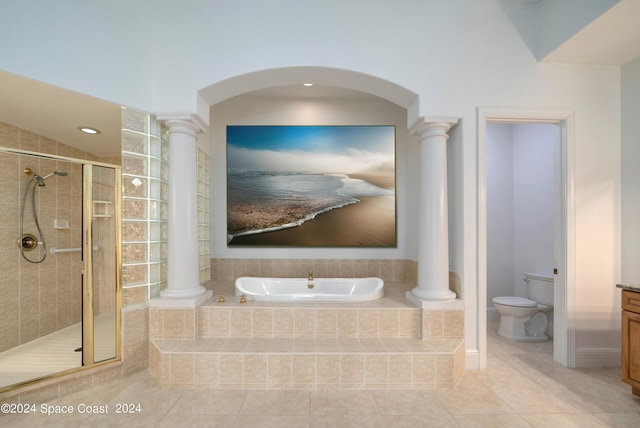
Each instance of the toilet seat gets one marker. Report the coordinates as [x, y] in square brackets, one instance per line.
[518, 302]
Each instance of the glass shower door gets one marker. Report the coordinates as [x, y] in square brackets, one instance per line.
[101, 238]
[59, 263]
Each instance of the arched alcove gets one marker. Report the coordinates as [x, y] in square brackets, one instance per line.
[338, 98]
[325, 76]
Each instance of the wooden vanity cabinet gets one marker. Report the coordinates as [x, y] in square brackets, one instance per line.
[631, 339]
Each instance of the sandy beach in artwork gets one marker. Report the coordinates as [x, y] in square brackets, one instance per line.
[370, 222]
[386, 179]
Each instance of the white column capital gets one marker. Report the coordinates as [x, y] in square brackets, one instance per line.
[426, 127]
[186, 123]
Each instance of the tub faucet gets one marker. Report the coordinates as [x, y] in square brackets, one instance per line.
[310, 279]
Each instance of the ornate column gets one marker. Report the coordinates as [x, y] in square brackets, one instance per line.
[183, 280]
[433, 249]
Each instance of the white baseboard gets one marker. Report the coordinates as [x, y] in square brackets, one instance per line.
[471, 359]
[595, 358]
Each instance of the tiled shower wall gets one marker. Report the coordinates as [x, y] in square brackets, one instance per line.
[38, 299]
[145, 172]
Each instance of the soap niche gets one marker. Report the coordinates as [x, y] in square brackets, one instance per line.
[102, 209]
[60, 223]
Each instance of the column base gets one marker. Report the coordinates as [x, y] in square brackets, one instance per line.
[181, 298]
[442, 296]
[455, 304]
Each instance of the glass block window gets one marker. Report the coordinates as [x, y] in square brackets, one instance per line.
[204, 167]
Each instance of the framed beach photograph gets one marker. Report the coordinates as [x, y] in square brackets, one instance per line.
[331, 186]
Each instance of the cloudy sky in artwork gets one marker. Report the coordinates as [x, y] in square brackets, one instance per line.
[322, 149]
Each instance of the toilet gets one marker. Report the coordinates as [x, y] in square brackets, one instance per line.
[527, 319]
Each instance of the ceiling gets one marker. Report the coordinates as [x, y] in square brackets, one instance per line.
[57, 113]
[611, 39]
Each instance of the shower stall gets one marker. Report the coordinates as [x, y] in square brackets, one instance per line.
[59, 264]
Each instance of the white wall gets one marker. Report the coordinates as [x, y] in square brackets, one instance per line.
[500, 221]
[251, 110]
[534, 154]
[456, 56]
[100, 48]
[631, 171]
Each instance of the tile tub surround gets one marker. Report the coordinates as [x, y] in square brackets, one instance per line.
[383, 344]
[387, 269]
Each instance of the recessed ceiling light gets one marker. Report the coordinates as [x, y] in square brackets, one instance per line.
[88, 130]
[308, 84]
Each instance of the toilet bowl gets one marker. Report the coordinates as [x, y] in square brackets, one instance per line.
[522, 319]
[526, 319]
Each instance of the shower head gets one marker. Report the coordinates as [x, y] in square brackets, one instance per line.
[57, 172]
[40, 179]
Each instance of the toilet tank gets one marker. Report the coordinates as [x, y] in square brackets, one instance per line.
[540, 287]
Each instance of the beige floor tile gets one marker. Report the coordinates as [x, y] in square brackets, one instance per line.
[342, 403]
[496, 365]
[272, 421]
[527, 396]
[276, 403]
[471, 396]
[81, 420]
[152, 399]
[347, 421]
[413, 421]
[562, 420]
[591, 393]
[207, 401]
[493, 421]
[409, 402]
[618, 420]
[197, 421]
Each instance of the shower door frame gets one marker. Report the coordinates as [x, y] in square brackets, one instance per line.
[87, 270]
[87, 255]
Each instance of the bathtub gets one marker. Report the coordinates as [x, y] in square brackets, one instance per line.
[297, 290]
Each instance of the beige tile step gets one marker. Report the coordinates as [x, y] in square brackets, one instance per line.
[307, 363]
[216, 321]
[290, 322]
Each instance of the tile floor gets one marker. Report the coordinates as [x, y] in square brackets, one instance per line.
[521, 387]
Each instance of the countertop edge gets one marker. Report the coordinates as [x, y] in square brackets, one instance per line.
[629, 287]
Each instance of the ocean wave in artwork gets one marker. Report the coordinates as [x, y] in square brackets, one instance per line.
[264, 201]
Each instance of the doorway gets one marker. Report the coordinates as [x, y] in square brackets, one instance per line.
[563, 219]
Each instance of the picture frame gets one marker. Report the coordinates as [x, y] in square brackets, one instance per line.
[311, 186]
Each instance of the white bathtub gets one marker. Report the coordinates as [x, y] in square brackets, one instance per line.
[297, 289]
